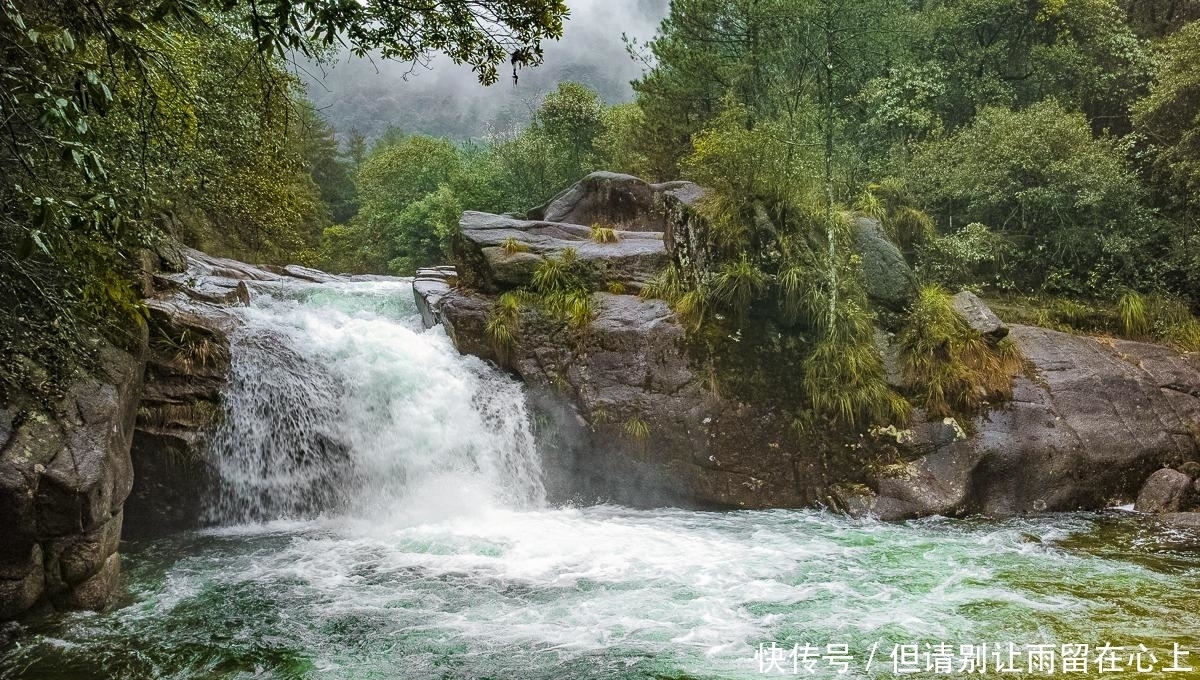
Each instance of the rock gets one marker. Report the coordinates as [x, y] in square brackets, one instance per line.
[1088, 428]
[1181, 520]
[889, 352]
[202, 264]
[611, 200]
[429, 285]
[172, 257]
[980, 317]
[1166, 490]
[311, 275]
[697, 449]
[1191, 468]
[890, 281]
[186, 369]
[64, 476]
[483, 263]
[9, 631]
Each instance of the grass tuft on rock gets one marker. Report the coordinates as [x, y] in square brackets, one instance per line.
[604, 234]
[511, 246]
[951, 368]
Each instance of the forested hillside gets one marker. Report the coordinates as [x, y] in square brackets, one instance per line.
[1047, 153]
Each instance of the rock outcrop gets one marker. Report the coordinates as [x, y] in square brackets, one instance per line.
[503, 252]
[64, 476]
[1089, 421]
[630, 419]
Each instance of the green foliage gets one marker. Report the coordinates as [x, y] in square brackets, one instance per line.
[737, 284]
[951, 369]
[503, 322]
[664, 286]
[123, 119]
[972, 256]
[1131, 312]
[844, 380]
[483, 34]
[1039, 177]
[636, 428]
[408, 209]
[1166, 121]
[511, 246]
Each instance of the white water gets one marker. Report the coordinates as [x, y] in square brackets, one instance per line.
[340, 403]
[428, 552]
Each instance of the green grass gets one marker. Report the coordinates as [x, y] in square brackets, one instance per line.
[951, 368]
[503, 321]
[1131, 313]
[737, 285]
[637, 428]
[511, 246]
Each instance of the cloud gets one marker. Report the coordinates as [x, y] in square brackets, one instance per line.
[447, 99]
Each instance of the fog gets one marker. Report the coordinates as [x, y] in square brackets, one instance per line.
[445, 99]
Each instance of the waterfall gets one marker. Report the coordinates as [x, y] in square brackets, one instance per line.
[338, 402]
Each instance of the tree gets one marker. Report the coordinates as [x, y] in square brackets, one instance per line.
[1168, 120]
[114, 114]
[1070, 201]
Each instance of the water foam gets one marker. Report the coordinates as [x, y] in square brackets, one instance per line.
[338, 403]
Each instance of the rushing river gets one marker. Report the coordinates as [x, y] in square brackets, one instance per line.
[436, 555]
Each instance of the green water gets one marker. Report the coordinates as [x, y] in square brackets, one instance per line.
[437, 557]
[607, 592]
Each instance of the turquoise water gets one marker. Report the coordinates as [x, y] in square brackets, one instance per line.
[608, 592]
[430, 553]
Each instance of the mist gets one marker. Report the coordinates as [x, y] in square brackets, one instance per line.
[444, 99]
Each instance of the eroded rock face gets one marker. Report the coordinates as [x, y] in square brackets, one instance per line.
[630, 419]
[1092, 420]
[186, 369]
[1166, 490]
[64, 477]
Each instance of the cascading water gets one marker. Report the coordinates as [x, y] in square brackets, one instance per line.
[339, 403]
[382, 518]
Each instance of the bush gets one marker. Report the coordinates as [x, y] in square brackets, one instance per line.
[1038, 176]
[969, 257]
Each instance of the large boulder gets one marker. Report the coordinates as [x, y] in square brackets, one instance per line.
[890, 281]
[496, 253]
[1166, 490]
[1083, 430]
[612, 200]
[65, 473]
[630, 419]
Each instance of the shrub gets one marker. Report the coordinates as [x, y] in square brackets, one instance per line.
[971, 255]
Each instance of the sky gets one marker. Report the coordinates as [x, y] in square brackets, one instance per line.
[447, 100]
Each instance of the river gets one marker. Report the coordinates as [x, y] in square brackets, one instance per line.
[382, 516]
